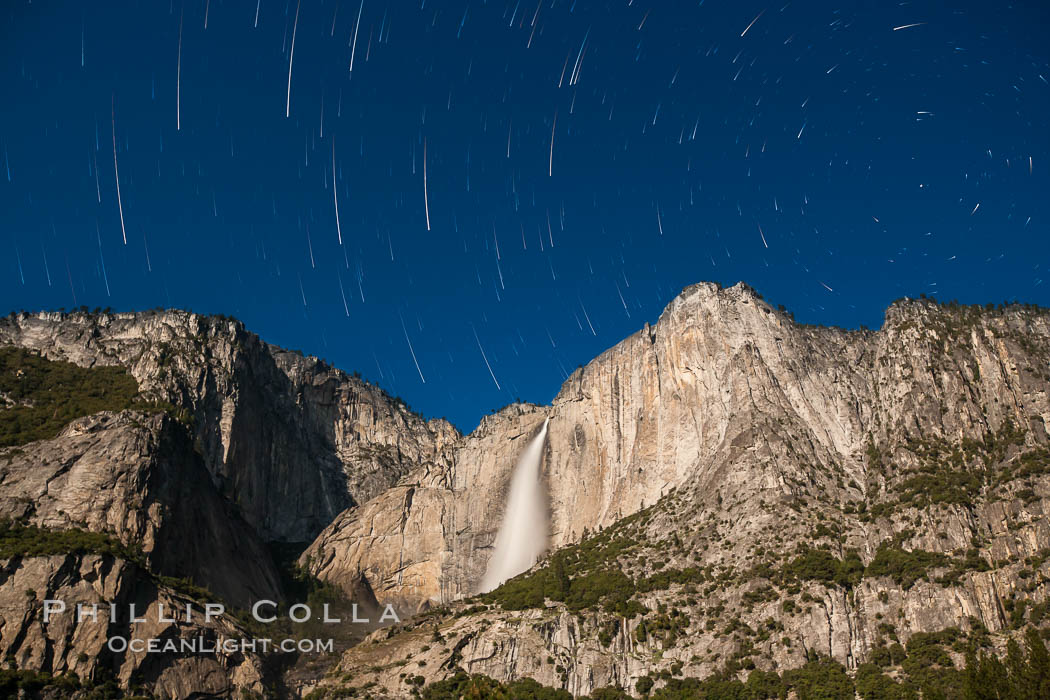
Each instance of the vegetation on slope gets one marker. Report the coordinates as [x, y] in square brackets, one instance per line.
[45, 395]
[38, 397]
[19, 539]
[588, 575]
[40, 684]
[925, 671]
[954, 473]
[582, 575]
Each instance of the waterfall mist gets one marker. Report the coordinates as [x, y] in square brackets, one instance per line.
[523, 533]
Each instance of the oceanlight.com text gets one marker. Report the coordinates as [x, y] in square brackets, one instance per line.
[202, 645]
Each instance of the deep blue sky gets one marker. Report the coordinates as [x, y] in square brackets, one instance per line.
[858, 151]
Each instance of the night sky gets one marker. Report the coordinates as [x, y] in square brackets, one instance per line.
[465, 200]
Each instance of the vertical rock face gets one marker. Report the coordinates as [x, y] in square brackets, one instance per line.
[825, 489]
[289, 440]
[135, 476]
[721, 370]
[268, 445]
[428, 539]
[710, 394]
[66, 644]
[745, 436]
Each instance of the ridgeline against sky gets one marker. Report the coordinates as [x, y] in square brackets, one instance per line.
[465, 200]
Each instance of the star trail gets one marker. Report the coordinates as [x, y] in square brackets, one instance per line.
[352, 178]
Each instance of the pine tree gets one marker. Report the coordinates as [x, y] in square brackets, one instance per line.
[1015, 669]
[561, 577]
[971, 678]
[993, 680]
[1038, 671]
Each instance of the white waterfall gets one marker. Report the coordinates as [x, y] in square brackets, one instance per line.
[523, 533]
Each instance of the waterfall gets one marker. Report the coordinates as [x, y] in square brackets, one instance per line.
[522, 535]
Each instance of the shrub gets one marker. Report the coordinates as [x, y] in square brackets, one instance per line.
[821, 565]
[21, 540]
[464, 685]
[822, 679]
[903, 566]
[873, 684]
[48, 394]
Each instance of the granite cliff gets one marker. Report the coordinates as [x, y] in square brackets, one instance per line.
[728, 490]
[765, 491]
[289, 440]
[227, 447]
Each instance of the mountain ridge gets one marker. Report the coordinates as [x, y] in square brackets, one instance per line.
[727, 401]
[763, 458]
[895, 312]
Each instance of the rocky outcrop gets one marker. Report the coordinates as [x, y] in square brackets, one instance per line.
[135, 476]
[99, 649]
[750, 433]
[238, 443]
[721, 379]
[428, 539]
[564, 649]
[764, 490]
[289, 440]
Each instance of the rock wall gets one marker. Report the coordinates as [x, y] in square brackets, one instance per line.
[268, 445]
[428, 539]
[721, 378]
[135, 476]
[740, 435]
[288, 439]
[747, 435]
[66, 645]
